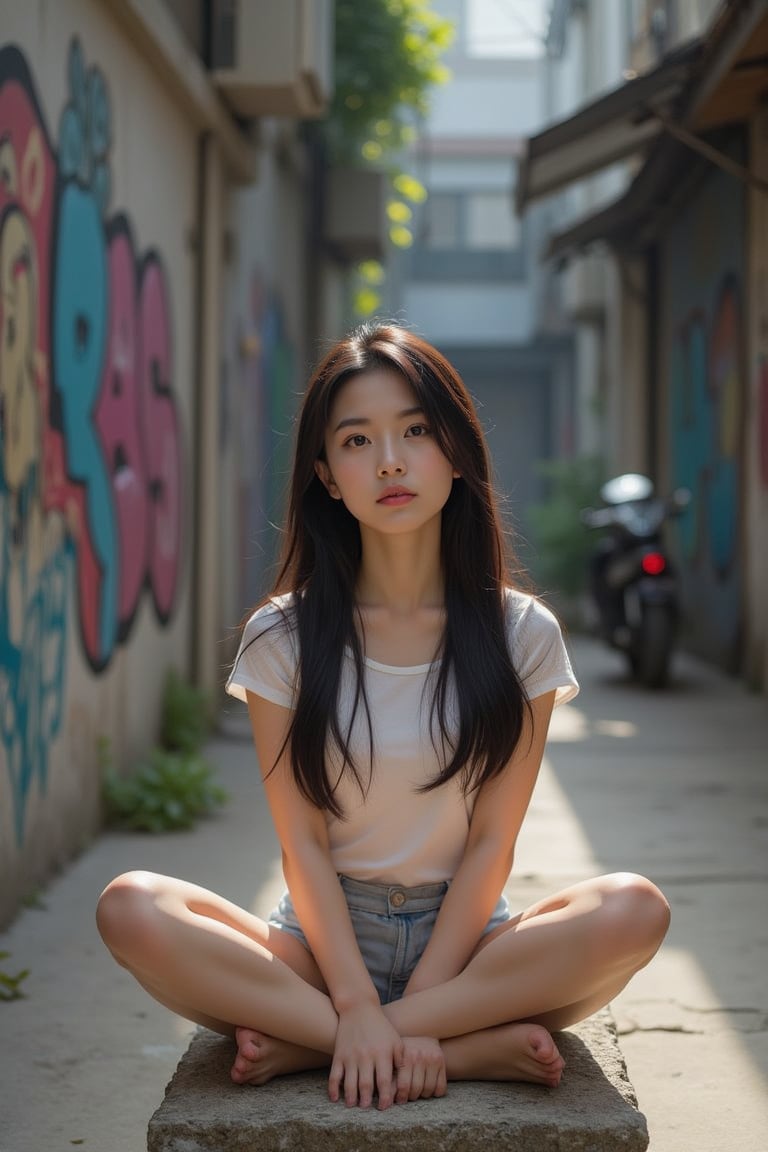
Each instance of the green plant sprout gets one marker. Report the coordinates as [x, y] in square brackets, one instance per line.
[174, 785]
[562, 544]
[10, 986]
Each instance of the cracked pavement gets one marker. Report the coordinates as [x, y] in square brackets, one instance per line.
[673, 785]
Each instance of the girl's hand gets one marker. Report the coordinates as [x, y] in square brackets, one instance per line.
[367, 1051]
[421, 1074]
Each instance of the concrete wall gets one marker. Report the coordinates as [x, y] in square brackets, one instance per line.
[96, 376]
[265, 365]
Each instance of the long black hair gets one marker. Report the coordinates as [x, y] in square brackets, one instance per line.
[321, 558]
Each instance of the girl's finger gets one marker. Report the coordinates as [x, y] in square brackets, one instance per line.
[364, 1085]
[385, 1084]
[403, 1087]
[417, 1081]
[441, 1087]
[334, 1080]
[350, 1085]
[430, 1080]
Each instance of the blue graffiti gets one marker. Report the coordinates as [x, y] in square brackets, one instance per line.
[79, 341]
[704, 399]
[85, 129]
[689, 421]
[32, 663]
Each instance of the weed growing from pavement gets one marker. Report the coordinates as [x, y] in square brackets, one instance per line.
[10, 986]
[173, 786]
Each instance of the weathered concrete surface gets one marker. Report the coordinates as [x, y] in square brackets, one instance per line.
[593, 1110]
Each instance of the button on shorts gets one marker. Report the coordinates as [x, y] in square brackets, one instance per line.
[392, 924]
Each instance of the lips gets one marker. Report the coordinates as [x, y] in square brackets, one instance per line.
[395, 495]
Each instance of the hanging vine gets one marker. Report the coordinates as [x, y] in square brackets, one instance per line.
[387, 61]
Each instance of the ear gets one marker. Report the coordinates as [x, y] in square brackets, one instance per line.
[323, 473]
[456, 475]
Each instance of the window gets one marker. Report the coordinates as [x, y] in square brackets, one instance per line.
[470, 222]
[442, 229]
[491, 221]
[469, 236]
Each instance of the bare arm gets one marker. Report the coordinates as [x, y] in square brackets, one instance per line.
[367, 1046]
[475, 889]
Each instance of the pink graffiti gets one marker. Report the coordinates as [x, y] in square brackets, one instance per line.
[136, 418]
[161, 438]
[118, 418]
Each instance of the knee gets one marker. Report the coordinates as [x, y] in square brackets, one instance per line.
[125, 911]
[638, 911]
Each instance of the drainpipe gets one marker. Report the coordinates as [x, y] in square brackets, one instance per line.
[205, 464]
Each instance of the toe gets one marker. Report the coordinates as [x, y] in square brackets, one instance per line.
[542, 1045]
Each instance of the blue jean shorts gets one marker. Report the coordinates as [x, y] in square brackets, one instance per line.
[392, 924]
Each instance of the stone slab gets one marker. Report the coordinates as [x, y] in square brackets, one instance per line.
[593, 1110]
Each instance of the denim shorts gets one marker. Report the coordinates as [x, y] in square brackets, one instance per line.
[392, 924]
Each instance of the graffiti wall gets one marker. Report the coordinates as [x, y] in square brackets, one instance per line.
[265, 400]
[703, 297]
[267, 369]
[91, 458]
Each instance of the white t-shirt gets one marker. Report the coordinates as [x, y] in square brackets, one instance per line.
[396, 834]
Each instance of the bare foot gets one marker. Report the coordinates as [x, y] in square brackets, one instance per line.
[509, 1052]
[260, 1057]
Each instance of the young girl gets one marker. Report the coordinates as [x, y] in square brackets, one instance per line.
[400, 691]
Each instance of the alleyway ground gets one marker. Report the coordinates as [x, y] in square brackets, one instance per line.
[674, 785]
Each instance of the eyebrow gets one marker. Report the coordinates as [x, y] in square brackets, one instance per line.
[364, 421]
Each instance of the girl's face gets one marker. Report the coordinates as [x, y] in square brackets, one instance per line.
[381, 457]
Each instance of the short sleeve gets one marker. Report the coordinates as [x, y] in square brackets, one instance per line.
[538, 649]
[267, 657]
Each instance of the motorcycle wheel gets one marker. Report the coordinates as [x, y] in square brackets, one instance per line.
[652, 654]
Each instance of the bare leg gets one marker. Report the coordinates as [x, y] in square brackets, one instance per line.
[213, 962]
[576, 950]
[558, 962]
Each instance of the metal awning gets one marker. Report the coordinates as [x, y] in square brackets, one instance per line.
[604, 225]
[618, 125]
[721, 80]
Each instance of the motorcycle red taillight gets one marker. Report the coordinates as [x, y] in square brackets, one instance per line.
[653, 563]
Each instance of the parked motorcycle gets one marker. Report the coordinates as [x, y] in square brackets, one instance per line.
[633, 582]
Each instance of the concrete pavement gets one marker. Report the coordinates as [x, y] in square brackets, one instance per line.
[674, 785]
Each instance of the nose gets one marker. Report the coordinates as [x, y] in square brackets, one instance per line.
[391, 469]
[391, 462]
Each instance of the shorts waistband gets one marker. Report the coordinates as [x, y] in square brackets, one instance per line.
[392, 899]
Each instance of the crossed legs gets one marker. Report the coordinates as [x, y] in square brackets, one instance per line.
[215, 964]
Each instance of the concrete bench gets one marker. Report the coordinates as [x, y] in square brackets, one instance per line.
[593, 1110]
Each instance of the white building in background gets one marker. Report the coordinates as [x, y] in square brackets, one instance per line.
[466, 284]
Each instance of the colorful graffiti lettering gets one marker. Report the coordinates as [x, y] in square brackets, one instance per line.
[90, 455]
[705, 420]
[705, 412]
